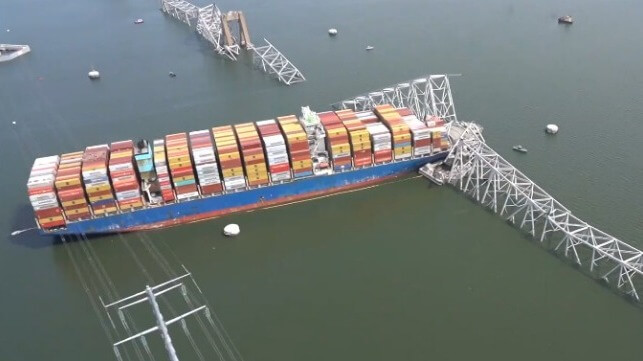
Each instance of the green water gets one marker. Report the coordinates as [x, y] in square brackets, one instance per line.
[400, 271]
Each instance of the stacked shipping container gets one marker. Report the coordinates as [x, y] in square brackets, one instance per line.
[439, 136]
[400, 131]
[229, 157]
[337, 138]
[302, 164]
[123, 175]
[276, 151]
[254, 160]
[367, 117]
[69, 186]
[96, 179]
[42, 195]
[162, 173]
[205, 161]
[359, 138]
[420, 132]
[381, 140]
[178, 158]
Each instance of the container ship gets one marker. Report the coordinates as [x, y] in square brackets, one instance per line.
[186, 177]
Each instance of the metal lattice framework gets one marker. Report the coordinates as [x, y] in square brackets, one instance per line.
[481, 173]
[273, 62]
[430, 95]
[181, 10]
[209, 26]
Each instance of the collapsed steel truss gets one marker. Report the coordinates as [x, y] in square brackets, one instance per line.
[273, 62]
[181, 10]
[430, 95]
[480, 172]
[209, 26]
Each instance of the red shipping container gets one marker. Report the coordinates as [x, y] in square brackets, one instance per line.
[50, 212]
[279, 168]
[231, 164]
[186, 189]
[71, 194]
[101, 193]
[75, 217]
[53, 224]
[78, 205]
[211, 189]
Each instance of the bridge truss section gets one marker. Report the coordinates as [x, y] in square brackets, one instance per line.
[181, 10]
[268, 58]
[430, 95]
[210, 26]
[481, 173]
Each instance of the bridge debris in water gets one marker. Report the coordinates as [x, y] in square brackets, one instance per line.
[9, 51]
[215, 27]
[477, 170]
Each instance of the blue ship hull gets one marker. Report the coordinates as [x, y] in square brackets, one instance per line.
[214, 206]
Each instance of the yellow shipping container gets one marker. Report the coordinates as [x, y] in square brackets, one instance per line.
[301, 164]
[401, 138]
[402, 150]
[70, 212]
[251, 157]
[228, 156]
[132, 205]
[100, 198]
[49, 219]
[232, 172]
[177, 165]
[184, 178]
[68, 182]
[74, 202]
[93, 189]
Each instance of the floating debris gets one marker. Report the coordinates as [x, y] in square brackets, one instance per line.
[551, 128]
[520, 148]
[332, 31]
[231, 230]
[172, 75]
[138, 21]
[369, 48]
[14, 122]
[565, 20]
[93, 74]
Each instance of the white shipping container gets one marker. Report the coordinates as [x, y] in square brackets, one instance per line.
[198, 132]
[52, 159]
[276, 159]
[187, 195]
[42, 208]
[422, 150]
[119, 167]
[276, 177]
[274, 140]
[125, 195]
[235, 182]
[266, 122]
[45, 203]
[49, 196]
[40, 181]
[207, 167]
[341, 155]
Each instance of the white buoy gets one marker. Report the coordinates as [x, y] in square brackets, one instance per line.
[231, 230]
[332, 31]
[551, 128]
[93, 74]
[14, 122]
[8, 30]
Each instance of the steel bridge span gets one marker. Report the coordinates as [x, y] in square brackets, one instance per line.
[481, 173]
